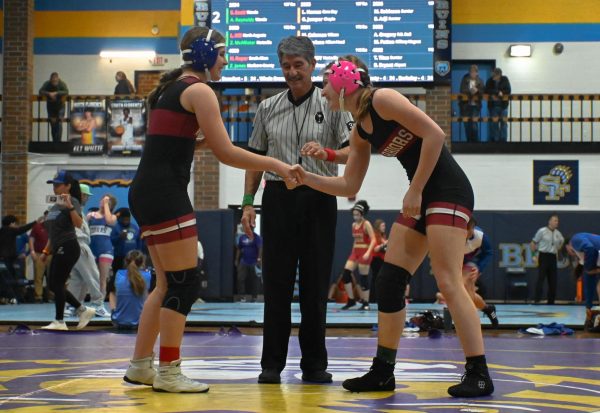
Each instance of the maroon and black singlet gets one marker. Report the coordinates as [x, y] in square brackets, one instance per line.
[158, 196]
[447, 196]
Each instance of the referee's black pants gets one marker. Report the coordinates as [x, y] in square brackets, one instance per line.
[547, 269]
[298, 229]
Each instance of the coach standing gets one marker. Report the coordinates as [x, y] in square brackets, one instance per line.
[547, 242]
[298, 226]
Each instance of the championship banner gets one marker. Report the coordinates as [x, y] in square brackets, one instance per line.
[126, 126]
[114, 182]
[555, 182]
[442, 42]
[87, 131]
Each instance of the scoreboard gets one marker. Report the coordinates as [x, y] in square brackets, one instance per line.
[395, 38]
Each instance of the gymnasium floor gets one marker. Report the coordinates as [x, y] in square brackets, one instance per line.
[80, 371]
[511, 316]
[73, 371]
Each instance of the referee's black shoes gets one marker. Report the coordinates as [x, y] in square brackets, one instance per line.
[317, 376]
[269, 376]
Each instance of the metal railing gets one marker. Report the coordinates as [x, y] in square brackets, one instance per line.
[530, 119]
[544, 118]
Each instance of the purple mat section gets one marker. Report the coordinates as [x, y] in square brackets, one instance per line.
[52, 372]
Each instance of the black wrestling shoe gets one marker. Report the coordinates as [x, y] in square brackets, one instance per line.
[351, 303]
[364, 306]
[269, 376]
[317, 376]
[476, 382]
[490, 311]
[379, 378]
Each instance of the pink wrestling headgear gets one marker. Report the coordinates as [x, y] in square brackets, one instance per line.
[344, 77]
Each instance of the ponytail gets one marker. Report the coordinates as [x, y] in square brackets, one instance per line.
[165, 80]
[134, 260]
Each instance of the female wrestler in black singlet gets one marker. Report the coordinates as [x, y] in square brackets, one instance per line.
[435, 212]
[183, 109]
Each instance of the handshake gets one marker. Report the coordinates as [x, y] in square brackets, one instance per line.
[294, 176]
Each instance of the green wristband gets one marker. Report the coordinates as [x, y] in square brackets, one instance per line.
[248, 200]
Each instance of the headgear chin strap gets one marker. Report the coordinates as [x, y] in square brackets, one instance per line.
[344, 77]
[202, 54]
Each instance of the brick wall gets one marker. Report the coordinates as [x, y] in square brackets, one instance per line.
[16, 107]
[439, 105]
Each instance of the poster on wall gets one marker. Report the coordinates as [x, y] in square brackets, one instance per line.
[555, 182]
[114, 182]
[87, 131]
[126, 127]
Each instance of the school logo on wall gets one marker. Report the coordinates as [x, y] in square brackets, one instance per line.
[555, 182]
[442, 68]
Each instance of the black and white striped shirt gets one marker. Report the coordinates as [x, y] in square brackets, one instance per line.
[282, 127]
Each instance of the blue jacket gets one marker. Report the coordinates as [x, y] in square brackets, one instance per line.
[478, 249]
[129, 243]
[589, 244]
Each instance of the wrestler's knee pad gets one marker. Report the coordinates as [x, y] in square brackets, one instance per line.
[364, 282]
[183, 288]
[391, 284]
[347, 276]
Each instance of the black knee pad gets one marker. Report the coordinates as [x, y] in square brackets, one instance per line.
[391, 284]
[183, 288]
[347, 276]
[364, 282]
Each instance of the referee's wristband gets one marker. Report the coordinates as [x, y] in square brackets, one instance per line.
[247, 200]
[330, 154]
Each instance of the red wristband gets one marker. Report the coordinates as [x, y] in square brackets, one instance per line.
[330, 154]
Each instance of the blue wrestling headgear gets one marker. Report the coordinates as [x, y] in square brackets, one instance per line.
[202, 54]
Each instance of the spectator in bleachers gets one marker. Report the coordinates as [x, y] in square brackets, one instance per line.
[471, 86]
[498, 89]
[55, 90]
[124, 86]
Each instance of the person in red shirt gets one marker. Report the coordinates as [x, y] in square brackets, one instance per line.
[38, 238]
[361, 255]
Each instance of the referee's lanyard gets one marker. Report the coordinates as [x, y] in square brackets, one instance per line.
[298, 130]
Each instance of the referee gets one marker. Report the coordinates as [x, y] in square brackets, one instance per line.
[547, 242]
[298, 226]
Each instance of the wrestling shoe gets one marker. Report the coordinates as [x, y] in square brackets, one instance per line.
[170, 379]
[141, 371]
[379, 378]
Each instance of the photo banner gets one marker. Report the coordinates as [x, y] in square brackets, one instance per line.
[87, 131]
[126, 127]
[555, 182]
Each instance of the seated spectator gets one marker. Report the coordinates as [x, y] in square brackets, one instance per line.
[128, 290]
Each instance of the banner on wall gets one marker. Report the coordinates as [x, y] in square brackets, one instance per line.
[126, 126]
[555, 182]
[101, 183]
[87, 131]
[442, 42]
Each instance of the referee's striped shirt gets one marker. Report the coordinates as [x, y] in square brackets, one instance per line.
[282, 127]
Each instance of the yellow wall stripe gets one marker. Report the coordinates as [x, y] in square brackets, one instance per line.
[187, 12]
[525, 11]
[105, 23]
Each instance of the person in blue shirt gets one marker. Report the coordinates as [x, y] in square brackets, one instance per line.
[125, 237]
[478, 253]
[248, 256]
[586, 248]
[128, 290]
